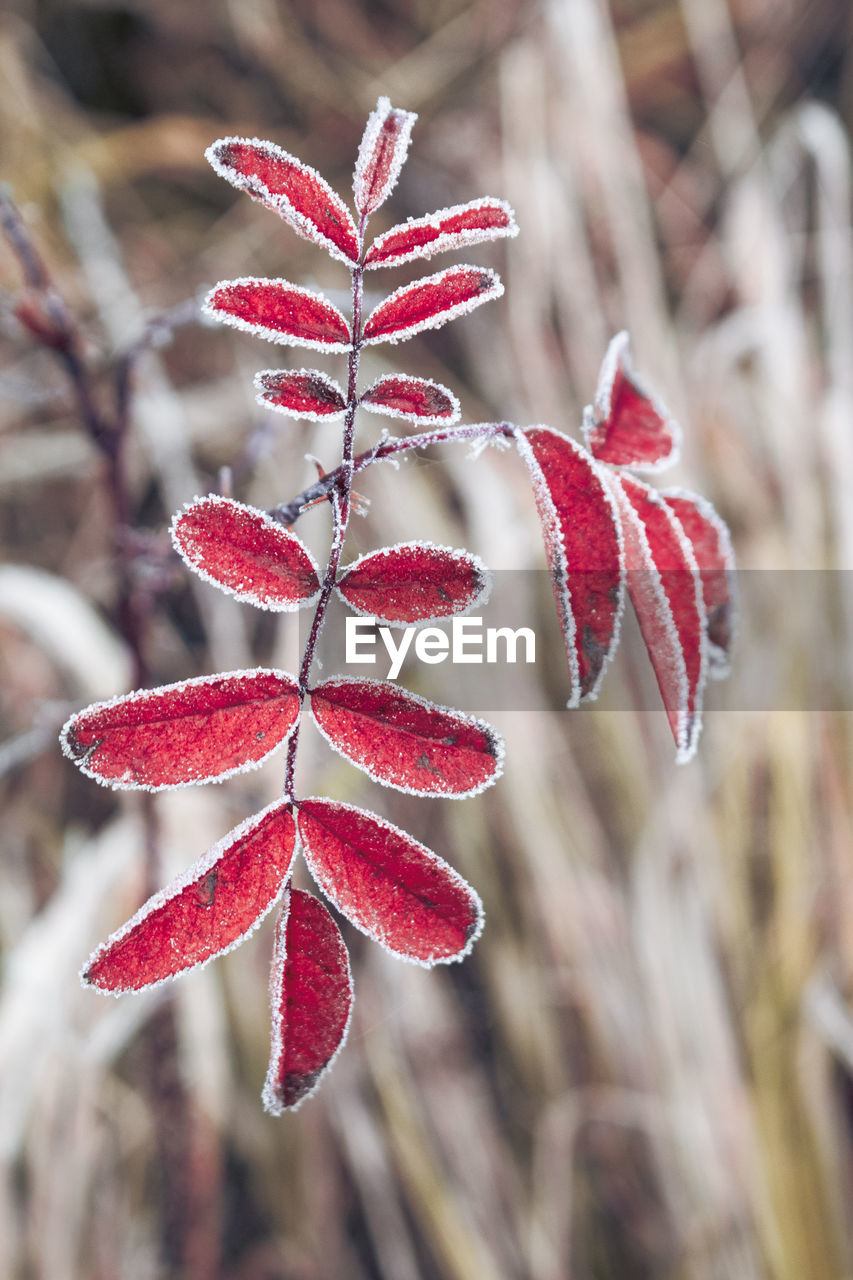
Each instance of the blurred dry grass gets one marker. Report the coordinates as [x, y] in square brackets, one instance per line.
[645, 1069]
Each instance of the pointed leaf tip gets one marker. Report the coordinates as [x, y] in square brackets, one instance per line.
[279, 312]
[179, 735]
[381, 155]
[208, 910]
[388, 885]
[442, 231]
[414, 583]
[293, 190]
[311, 997]
[300, 393]
[403, 741]
[580, 528]
[245, 552]
[430, 302]
[627, 426]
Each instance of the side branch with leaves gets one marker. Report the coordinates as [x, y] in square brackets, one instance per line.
[606, 533]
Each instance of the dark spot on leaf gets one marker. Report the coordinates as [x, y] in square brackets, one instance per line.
[297, 1086]
[260, 735]
[205, 890]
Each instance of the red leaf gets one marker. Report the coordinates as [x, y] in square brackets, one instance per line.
[712, 547]
[280, 312]
[395, 890]
[300, 393]
[311, 996]
[246, 553]
[430, 302]
[414, 582]
[403, 741]
[627, 426]
[291, 189]
[664, 586]
[419, 399]
[205, 912]
[582, 542]
[381, 155]
[446, 229]
[195, 731]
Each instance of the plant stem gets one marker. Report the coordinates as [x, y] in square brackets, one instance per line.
[288, 513]
[339, 492]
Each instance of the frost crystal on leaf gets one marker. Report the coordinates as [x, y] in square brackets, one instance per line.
[208, 910]
[381, 155]
[293, 190]
[280, 312]
[311, 996]
[418, 399]
[665, 590]
[414, 583]
[583, 544]
[712, 547]
[430, 302]
[406, 742]
[442, 231]
[195, 731]
[300, 393]
[627, 426]
[245, 552]
[388, 885]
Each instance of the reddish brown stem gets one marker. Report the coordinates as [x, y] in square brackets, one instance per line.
[339, 493]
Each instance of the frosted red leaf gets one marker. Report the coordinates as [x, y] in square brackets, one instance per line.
[414, 582]
[712, 547]
[293, 190]
[403, 741]
[430, 302]
[381, 155]
[181, 734]
[583, 545]
[663, 583]
[300, 393]
[394, 889]
[418, 399]
[311, 997]
[280, 312]
[208, 910]
[627, 426]
[246, 553]
[444, 230]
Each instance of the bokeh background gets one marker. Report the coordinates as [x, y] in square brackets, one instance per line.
[644, 1069]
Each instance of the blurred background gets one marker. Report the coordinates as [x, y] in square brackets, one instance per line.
[644, 1070]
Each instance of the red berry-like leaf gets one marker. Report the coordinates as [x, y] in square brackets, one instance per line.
[446, 229]
[627, 426]
[394, 889]
[430, 302]
[195, 731]
[580, 528]
[300, 393]
[208, 910]
[664, 586]
[280, 312]
[293, 190]
[403, 741]
[246, 553]
[414, 583]
[418, 399]
[311, 997]
[712, 547]
[381, 155]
